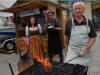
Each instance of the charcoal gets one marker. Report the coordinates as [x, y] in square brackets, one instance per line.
[57, 69]
[62, 69]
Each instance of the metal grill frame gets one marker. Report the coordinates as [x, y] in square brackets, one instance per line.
[55, 68]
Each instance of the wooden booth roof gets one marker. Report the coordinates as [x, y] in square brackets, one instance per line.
[29, 4]
[96, 6]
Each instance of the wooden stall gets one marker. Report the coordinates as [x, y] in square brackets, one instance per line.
[24, 6]
[23, 9]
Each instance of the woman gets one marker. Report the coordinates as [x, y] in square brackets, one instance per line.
[33, 30]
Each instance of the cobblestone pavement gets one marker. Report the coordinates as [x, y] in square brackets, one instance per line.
[94, 68]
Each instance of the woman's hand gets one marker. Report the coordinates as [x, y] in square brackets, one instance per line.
[45, 27]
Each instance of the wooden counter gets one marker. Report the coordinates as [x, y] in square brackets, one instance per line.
[22, 45]
[45, 44]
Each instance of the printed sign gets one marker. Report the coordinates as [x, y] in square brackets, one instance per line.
[64, 13]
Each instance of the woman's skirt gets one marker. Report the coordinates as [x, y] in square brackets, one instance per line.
[36, 46]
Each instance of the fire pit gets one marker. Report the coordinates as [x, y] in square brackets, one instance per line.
[57, 69]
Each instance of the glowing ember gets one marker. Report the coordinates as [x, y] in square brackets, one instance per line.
[47, 65]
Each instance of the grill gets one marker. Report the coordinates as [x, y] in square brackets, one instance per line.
[57, 69]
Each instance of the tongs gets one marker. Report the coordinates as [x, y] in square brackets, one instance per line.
[68, 61]
[72, 59]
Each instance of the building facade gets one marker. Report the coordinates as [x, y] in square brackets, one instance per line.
[68, 4]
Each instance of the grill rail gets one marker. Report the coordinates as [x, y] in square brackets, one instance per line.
[65, 69]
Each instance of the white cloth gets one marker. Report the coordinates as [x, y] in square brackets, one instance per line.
[27, 30]
[40, 28]
[79, 39]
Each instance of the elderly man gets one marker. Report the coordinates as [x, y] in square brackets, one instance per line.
[80, 35]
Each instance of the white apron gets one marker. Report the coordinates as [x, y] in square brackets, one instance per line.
[79, 39]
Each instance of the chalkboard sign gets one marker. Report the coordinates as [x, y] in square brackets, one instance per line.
[30, 12]
[35, 12]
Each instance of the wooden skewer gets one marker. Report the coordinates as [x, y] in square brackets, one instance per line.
[11, 68]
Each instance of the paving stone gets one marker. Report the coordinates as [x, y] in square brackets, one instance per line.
[94, 66]
[93, 73]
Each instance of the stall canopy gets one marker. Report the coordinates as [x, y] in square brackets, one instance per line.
[29, 4]
[96, 6]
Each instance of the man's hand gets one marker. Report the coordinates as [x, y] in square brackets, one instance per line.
[52, 27]
[83, 52]
[56, 28]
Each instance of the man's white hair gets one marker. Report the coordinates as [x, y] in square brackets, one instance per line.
[82, 3]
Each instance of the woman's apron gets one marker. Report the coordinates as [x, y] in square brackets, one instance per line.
[36, 48]
[79, 39]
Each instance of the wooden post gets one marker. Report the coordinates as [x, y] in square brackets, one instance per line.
[19, 52]
[64, 18]
[16, 27]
